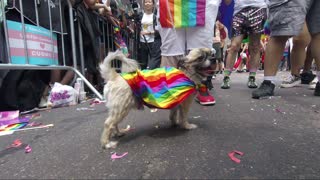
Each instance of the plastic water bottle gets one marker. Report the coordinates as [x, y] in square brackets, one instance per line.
[79, 86]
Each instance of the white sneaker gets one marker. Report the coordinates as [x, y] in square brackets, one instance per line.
[43, 102]
[313, 83]
[291, 81]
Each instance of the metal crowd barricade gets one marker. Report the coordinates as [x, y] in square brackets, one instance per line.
[107, 28]
[29, 66]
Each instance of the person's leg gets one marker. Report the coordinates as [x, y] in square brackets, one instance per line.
[55, 76]
[298, 53]
[307, 76]
[67, 78]
[283, 24]
[238, 32]
[254, 48]
[315, 44]
[313, 22]
[143, 55]
[231, 57]
[274, 54]
[298, 56]
[155, 58]
[308, 62]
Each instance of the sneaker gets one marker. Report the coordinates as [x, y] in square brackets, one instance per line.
[265, 89]
[291, 81]
[307, 77]
[203, 96]
[43, 102]
[226, 83]
[312, 85]
[252, 82]
[317, 89]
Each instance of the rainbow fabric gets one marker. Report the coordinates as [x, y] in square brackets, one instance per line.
[182, 13]
[162, 88]
[12, 127]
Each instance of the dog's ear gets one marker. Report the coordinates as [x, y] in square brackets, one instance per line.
[208, 51]
[198, 55]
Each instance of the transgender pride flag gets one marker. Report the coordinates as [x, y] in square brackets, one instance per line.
[182, 13]
[41, 45]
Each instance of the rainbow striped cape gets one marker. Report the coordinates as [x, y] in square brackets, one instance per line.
[182, 13]
[162, 88]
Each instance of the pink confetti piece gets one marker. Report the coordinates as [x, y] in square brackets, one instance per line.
[27, 149]
[278, 110]
[115, 156]
[231, 156]
[96, 101]
[16, 143]
[34, 124]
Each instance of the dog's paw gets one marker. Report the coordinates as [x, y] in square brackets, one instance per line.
[189, 126]
[111, 144]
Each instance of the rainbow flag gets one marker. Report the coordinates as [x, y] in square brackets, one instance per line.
[182, 13]
[12, 127]
[162, 88]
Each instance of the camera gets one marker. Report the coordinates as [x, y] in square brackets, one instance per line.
[135, 6]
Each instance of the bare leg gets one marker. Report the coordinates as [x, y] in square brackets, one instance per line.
[67, 78]
[315, 44]
[308, 61]
[298, 53]
[274, 54]
[55, 76]
[233, 50]
[254, 48]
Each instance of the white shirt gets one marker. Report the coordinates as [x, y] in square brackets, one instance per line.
[147, 26]
[176, 40]
[241, 4]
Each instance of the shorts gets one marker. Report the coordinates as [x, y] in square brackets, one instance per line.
[249, 20]
[217, 47]
[287, 17]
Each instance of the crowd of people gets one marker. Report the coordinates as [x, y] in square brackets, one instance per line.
[245, 45]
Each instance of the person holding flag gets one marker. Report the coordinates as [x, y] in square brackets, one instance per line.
[185, 25]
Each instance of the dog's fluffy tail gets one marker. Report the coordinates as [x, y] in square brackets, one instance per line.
[128, 65]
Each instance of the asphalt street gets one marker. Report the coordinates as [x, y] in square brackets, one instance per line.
[279, 136]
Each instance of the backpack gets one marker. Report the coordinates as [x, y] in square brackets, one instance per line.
[21, 90]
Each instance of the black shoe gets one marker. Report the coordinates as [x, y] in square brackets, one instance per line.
[317, 90]
[307, 77]
[265, 89]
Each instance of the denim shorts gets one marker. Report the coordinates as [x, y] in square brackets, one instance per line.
[287, 17]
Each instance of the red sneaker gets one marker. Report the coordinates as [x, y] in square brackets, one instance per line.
[204, 97]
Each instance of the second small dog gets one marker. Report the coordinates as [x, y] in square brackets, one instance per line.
[120, 98]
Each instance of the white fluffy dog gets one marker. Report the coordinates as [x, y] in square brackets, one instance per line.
[120, 98]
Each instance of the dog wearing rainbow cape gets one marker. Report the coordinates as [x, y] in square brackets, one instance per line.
[163, 88]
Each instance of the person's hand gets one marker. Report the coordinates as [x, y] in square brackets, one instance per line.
[145, 33]
[107, 9]
[122, 10]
